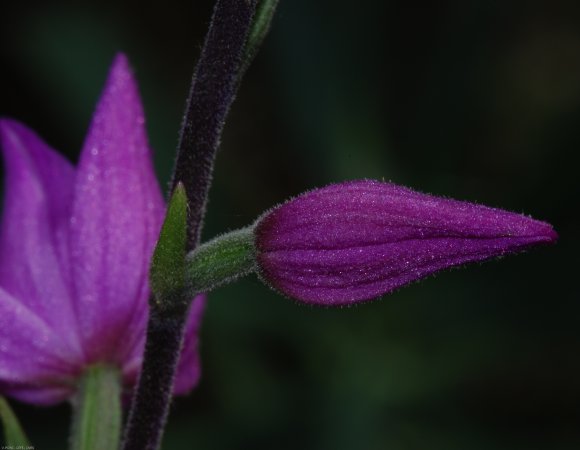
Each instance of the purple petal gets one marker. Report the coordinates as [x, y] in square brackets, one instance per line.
[43, 396]
[189, 367]
[38, 197]
[117, 212]
[358, 240]
[34, 360]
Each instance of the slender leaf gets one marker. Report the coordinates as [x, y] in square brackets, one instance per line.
[13, 433]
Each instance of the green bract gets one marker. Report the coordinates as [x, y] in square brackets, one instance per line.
[168, 264]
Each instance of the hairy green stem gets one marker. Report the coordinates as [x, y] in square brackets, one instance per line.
[221, 260]
[97, 410]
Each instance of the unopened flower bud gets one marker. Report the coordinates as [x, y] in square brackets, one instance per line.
[358, 240]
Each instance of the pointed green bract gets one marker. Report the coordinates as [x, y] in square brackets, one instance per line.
[168, 265]
[260, 27]
[13, 434]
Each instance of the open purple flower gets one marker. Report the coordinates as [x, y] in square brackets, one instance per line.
[75, 247]
[358, 240]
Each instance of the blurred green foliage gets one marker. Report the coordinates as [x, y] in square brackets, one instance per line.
[478, 100]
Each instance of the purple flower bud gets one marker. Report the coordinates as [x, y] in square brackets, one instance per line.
[358, 240]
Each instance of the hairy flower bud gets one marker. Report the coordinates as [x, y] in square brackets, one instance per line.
[358, 240]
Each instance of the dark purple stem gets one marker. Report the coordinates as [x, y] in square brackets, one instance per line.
[212, 92]
[150, 406]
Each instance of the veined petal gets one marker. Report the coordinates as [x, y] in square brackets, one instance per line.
[34, 360]
[117, 212]
[358, 240]
[33, 237]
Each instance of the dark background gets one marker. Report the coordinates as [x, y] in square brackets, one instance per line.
[477, 100]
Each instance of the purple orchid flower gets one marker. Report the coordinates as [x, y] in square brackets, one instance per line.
[75, 247]
[358, 240]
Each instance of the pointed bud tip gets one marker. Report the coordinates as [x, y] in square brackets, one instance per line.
[548, 235]
[536, 231]
[552, 236]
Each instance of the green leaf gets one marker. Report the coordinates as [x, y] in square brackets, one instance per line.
[262, 21]
[13, 434]
[167, 272]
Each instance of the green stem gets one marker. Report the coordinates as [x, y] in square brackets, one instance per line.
[221, 260]
[97, 410]
[14, 435]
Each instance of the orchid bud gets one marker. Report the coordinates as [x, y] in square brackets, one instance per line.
[358, 240]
